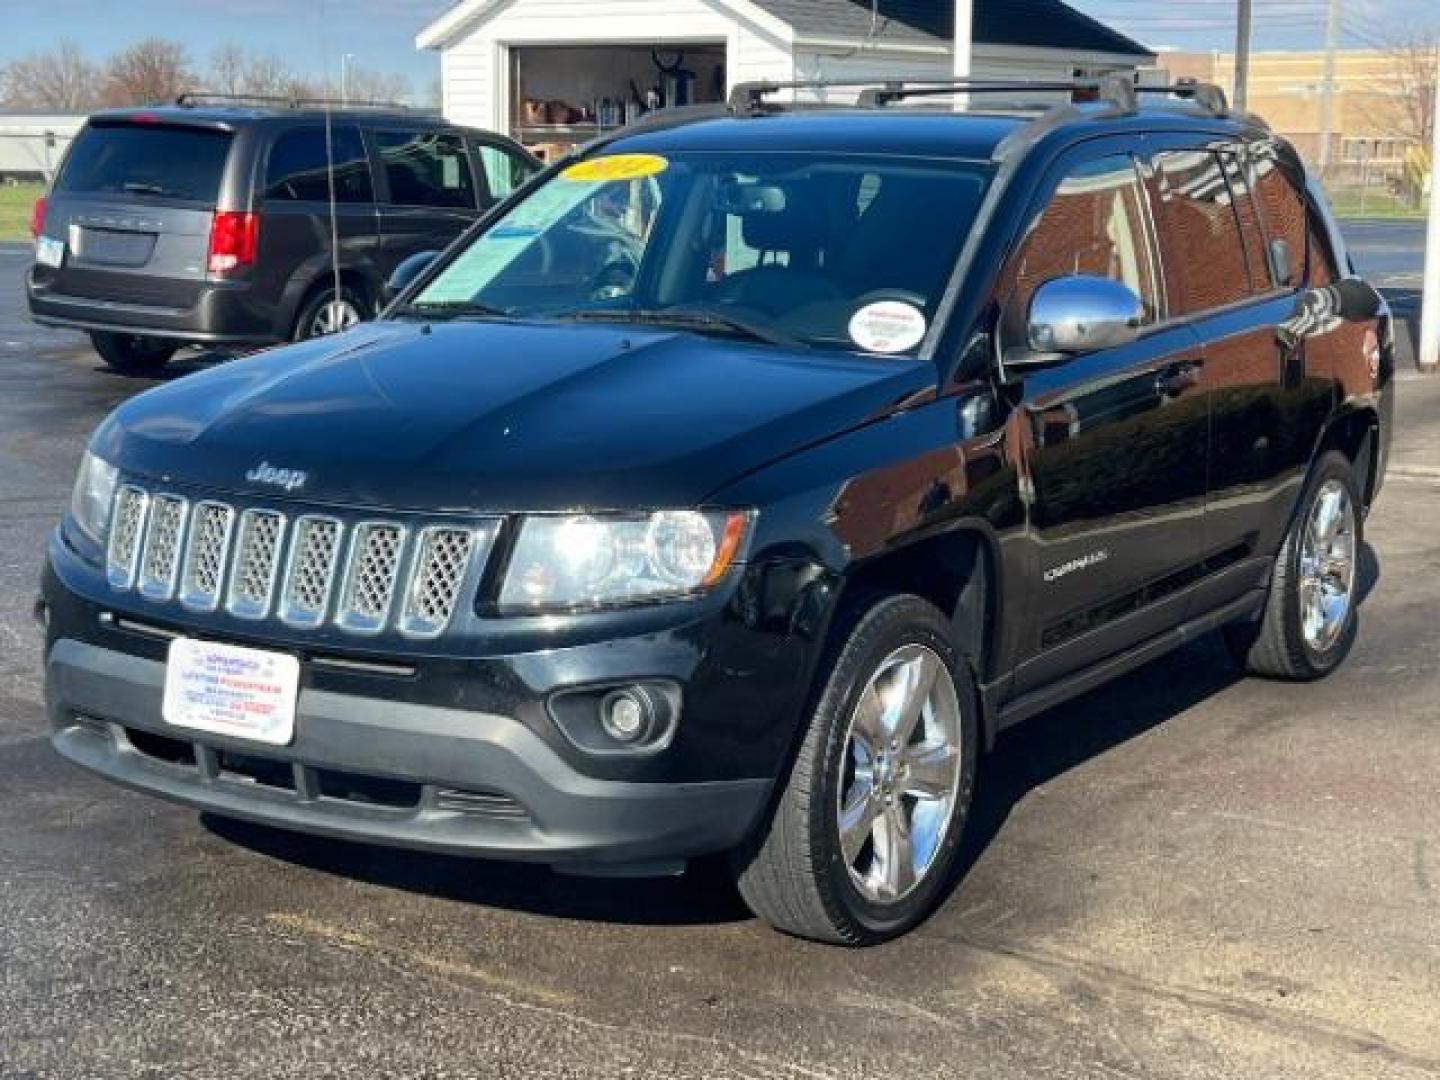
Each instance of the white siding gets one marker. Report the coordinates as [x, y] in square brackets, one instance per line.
[474, 69]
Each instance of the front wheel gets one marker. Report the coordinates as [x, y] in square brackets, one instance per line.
[865, 834]
[133, 354]
[1309, 622]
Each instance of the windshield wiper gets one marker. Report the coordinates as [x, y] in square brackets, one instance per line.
[452, 309]
[688, 317]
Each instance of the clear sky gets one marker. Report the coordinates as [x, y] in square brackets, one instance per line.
[380, 33]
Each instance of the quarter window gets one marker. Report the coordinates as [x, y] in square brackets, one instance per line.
[1281, 206]
[426, 168]
[1200, 233]
[298, 167]
[1094, 224]
[504, 171]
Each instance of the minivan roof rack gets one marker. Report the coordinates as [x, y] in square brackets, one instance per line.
[195, 98]
[1117, 90]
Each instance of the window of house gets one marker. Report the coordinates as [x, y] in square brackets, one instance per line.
[298, 167]
[1094, 224]
[426, 168]
[1199, 233]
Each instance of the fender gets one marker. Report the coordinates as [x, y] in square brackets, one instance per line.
[312, 272]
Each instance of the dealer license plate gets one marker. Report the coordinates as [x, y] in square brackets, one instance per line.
[49, 251]
[229, 690]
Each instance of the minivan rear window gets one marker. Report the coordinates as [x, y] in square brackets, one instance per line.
[146, 161]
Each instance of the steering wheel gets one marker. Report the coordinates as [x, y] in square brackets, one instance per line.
[613, 279]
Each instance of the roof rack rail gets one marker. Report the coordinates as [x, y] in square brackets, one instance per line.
[1117, 90]
[194, 98]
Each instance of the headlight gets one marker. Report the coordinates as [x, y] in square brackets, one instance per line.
[90, 501]
[582, 560]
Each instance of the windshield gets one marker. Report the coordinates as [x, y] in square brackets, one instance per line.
[824, 250]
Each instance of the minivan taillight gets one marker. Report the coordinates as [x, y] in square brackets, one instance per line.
[37, 218]
[233, 237]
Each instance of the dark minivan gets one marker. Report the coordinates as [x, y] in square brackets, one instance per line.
[211, 223]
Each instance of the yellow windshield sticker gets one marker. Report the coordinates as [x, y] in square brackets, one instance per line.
[616, 167]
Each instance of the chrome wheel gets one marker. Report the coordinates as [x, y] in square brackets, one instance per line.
[333, 317]
[900, 774]
[1327, 566]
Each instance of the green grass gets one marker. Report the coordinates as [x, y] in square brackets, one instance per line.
[1377, 204]
[16, 202]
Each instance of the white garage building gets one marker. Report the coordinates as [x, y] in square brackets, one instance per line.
[552, 72]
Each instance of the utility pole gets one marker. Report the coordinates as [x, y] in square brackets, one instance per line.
[964, 46]
[1429, 354]
[345, 59]
[1327, 86]
[1243, 21]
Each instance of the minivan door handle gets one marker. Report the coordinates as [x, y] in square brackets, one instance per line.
[1177, 378]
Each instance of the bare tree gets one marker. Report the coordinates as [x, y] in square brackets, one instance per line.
[367, 84]
[1416, 60]
[233, 70]
[62, 79]
[150, 72]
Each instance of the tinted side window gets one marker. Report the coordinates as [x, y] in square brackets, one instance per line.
[426, 168]
[296, 171]
[505, 170]
[1281, 206]
[1094, 224]
[1199, 233]
[1262, 279]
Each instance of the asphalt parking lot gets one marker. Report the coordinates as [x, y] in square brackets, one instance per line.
[1185, 874]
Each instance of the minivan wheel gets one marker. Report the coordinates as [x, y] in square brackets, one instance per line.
[1309, 621]
[863, 839]
[324, 314]
[133, 354]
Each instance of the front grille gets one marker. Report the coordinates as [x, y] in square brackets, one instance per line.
[310, 571]
[370, 576]
[161, 562]
[257, 558]
[205, 557]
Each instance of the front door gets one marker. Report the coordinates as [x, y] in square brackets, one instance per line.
[1114, 469]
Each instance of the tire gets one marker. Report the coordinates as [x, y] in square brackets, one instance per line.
[1288, 642]
[797, 875]
[133, 354]
[313, 313]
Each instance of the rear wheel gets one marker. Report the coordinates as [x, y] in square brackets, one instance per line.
[133, 354]
[1309, 621]
[864, 837]
[327, 313]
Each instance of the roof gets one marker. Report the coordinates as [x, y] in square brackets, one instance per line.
[227, 115]
[908, 132]
[1040, 24]
[1035, 24]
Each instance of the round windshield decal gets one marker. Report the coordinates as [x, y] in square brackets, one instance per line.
[889, 326]
[616, 167]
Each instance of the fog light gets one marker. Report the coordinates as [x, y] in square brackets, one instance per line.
[625, 715]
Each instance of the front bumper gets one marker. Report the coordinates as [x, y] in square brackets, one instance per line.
[410, 775]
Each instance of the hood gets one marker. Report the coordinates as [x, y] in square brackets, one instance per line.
[500, 416]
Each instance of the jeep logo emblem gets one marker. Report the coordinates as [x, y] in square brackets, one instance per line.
[288, 479]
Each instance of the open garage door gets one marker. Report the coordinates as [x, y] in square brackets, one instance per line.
[561, 95]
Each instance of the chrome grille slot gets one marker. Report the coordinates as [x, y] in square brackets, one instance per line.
[442, 565]
[127, 530]
[257, 561]
[164, 539]
[209, 546]
[370, 574]
[314, 553]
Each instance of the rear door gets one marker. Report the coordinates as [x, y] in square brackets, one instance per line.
[502, 168]
[428, 190]
[296, 235]
[1114, 469]
[128, 217]
[1268, 402]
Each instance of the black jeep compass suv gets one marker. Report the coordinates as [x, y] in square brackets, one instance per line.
[729, 489]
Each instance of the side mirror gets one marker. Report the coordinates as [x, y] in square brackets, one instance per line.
[408, 270]
[1078, 314]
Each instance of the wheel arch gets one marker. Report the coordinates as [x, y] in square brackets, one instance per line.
[1354, 432]
[316, 276]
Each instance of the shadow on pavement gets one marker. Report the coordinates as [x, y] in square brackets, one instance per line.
[1034, 753]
